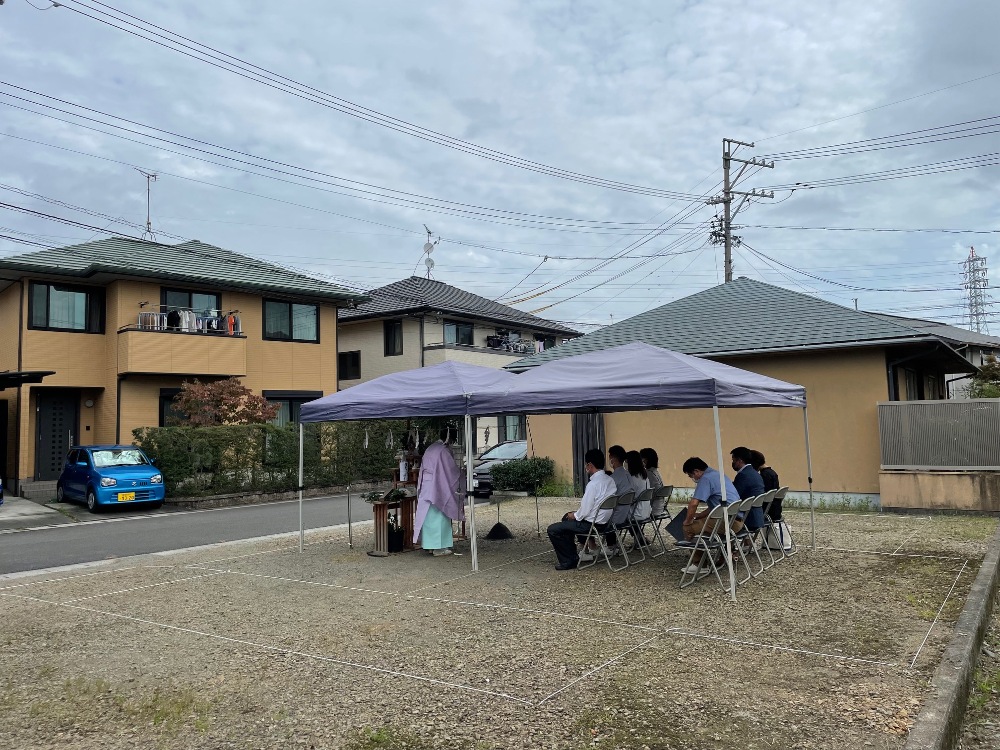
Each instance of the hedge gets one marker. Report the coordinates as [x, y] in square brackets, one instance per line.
[522, 474]
[265, 458]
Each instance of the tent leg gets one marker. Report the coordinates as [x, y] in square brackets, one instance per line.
[538, 518]
[302, 532]
[725, 504]
[350, 538]
[470, 497]
[809, 472]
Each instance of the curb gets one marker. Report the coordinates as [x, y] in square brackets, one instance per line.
[939, 724]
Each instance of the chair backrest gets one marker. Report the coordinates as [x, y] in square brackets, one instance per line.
[645, 496]
[626, 498]
[758, 502]
[665, 492]
[610, 502]
[780, 493]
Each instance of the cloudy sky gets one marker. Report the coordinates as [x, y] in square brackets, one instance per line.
[558, 148]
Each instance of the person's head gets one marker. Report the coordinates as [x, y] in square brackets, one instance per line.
[617, 455]
[633, 462]
[649, 458]
[695, 468]
[741, 457]
[593, 461]
[757, 460]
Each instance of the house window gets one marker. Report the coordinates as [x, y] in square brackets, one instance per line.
[57, 307]
[393, 333]
[202, 303]
[349, 365]
[458, 333]
[287, 321]
[290, 404]
[512, 428]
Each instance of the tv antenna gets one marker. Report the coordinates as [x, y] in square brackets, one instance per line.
[428, 249]
[150, 179]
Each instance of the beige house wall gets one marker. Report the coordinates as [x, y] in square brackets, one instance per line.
[93, 362]
[842, 389]
[368, 337]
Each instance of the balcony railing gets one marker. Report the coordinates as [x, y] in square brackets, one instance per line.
[514, 346]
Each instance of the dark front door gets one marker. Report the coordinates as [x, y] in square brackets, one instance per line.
[57, 413]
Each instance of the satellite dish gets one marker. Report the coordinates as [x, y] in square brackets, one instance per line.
[428, 248]
[429, 262]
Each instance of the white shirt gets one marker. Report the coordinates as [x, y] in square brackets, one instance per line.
[599, 488]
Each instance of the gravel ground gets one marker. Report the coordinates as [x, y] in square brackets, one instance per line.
[256, 646]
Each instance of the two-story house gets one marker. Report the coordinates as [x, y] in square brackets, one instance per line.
[122, 323]
[418, 322]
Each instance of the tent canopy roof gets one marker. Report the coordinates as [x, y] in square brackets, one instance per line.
[442, 390]
[635, 377]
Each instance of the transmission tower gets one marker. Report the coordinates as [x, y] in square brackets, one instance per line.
[975, 282]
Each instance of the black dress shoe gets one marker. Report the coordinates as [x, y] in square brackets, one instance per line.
[571, 566]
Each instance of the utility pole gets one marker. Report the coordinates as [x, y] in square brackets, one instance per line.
[724, 234]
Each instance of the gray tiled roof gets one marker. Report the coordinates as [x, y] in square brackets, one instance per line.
[741, 317]
[417, 294]
[191, 262]
[944, 331]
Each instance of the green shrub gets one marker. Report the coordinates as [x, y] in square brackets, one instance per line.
[523, 473]
[556, 488]
[265, 458]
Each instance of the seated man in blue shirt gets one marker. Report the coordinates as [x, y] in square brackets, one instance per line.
[708, 489]
[563, 534]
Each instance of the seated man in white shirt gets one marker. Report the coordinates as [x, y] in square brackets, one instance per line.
[599, 488]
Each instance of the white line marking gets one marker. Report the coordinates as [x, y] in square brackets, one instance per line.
[940, 610]
[68, 578]
[475, 573]
[789, 649]
[295, 580]
[534, 611]
[890, 554]
[609, 662]
[903, 544]
[280, 650]
[138, 588]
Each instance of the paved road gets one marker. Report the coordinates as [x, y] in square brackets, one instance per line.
[124, 533]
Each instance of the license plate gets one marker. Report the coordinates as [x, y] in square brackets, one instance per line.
[125, 496]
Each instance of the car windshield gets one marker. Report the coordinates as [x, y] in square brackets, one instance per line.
[127, 457]
[515, 449]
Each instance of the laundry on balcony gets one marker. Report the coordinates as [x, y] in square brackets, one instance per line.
[189, 321]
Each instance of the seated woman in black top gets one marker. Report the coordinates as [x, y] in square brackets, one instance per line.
[770, 477]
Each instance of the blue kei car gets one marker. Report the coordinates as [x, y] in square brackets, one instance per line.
[105, 475]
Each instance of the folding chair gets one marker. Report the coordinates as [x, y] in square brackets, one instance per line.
[649, 521]
[709, 544]
[760, 536]
[743, 541]
[597, 532]
[628, 526]
[660, 493]
[780, 530]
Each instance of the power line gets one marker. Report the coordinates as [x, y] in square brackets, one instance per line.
[238, 66]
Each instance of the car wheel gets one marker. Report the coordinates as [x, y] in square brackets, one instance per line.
[157, 505]
[60, 494]
[92, 505]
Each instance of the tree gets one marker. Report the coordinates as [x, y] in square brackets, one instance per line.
[986, 382]
[222, 402]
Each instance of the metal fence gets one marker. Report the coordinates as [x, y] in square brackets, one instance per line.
[954, 434]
